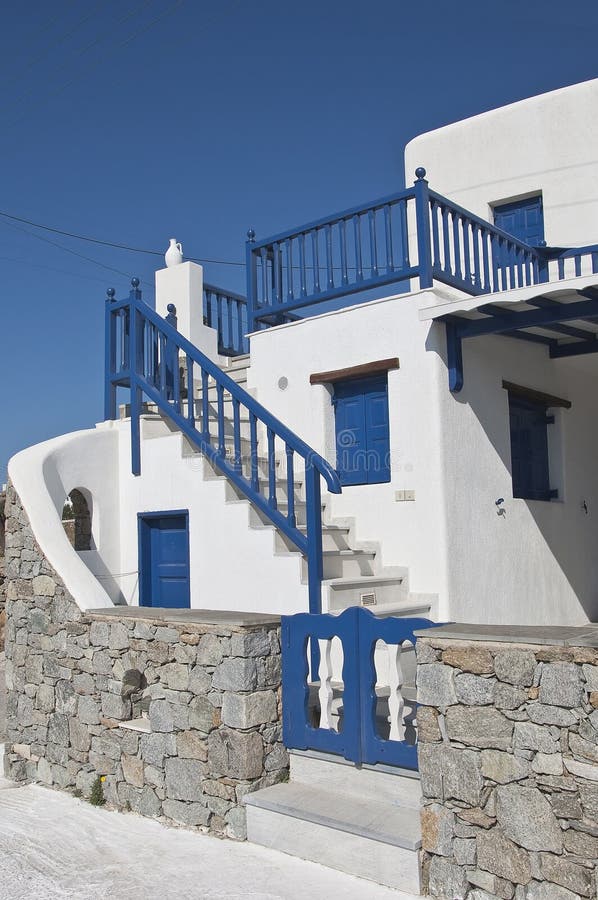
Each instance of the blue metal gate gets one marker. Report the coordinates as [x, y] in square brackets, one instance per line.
[359, 716]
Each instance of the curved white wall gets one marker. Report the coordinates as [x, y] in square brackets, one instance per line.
[43, 476]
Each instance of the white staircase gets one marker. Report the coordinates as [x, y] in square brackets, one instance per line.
[364, 821]
[353, 574]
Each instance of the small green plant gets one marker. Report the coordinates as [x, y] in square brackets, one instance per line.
[96, 798]
[77, 792]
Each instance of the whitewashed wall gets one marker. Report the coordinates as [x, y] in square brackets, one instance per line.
[547, 143]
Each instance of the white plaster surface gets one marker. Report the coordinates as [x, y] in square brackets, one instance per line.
[54, 847]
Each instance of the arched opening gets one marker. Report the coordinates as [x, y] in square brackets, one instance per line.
[76, 519]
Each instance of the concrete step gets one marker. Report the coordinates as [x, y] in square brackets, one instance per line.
[380, 783]
[348, 563]
[376, 840]
[236, 362]
[388, 587]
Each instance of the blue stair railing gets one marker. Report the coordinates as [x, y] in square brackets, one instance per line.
[371, 245]
[146, 354]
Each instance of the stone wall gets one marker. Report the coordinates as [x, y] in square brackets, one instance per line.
[180, 715]
[2, 579]
[508, 757]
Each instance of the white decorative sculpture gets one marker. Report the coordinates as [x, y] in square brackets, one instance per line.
[174, 254]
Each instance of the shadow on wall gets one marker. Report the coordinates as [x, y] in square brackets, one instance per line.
[564, 525]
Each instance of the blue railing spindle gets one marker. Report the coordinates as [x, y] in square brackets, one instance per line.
[476, 257]
[446, 240]
[277, 273]
[237, 434]
[329, 260]
[253, 452]
[404, 234]
[290, 487]
[390, 266]
[302, 283]
[288, 247]
[485, 261]
[373, 243]
[466, 250]
[434, 209]
[110, 357]
[343, 247]
[205, 406]
[315, 250]
[220, 409]
[456, 243]
[358, 260]
[190, 407]
[271, 469]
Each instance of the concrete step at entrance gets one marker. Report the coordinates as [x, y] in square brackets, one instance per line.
[372, 839]
[388, 589]
[333, 773]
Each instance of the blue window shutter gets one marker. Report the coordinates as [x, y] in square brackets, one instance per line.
[524, 219]
[362, 430]
[529, 449]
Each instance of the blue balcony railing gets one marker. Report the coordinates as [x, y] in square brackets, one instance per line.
[227, 313]
[415, 233]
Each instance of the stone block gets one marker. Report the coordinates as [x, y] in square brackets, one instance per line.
[476, 817]
[428, 728]
[161, 716]
[202, 714]
[235, 754]
[209, 650]
[543, 890]
[464, 850]
[507, 696]
[447, 880]
[235, 674]
[473, 659]
[183, 779]
[560, 685]
[587, 750]
[548, 763]
[236, 824]
[167, 635]
[479, 726]
[581, 844]
[149, 804]
[107, 744]
[588, 794]
[156, 747]
[119, 636]
[115, 707]
[249, 710]
[590, 673]
[88, 711]
[44, 586]
[254, 643]
[44, 698]
[186, 813]
[515, 667]
[99, 634]
[473, 690]
[84, 684]
[132, 768]
[528, 736]
[450, 773]
[543, 714]
[565, 873]
[436, 685]
[503, 767]
[79, 735]
[175, 676]
[438, 829]
[200, 681]
[500, 856]
[58, 729]
[565, 805]
[581, 769]
[277, 758]
[425, 653]
[526, 817]
[189, 745]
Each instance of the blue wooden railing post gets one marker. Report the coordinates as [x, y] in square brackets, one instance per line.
[135, 355]
[542, 263]
[171, 361]
[422, 214]
[251, 267]
[109, 357]
[313, 499]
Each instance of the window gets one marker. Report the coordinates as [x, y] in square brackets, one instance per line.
[529, 423]
[524, 219]
[362, 430]
[76, 519]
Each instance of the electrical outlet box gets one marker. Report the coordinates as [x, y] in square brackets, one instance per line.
[409, 495]
[401, 496]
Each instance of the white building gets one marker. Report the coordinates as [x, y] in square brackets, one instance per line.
[465, 452]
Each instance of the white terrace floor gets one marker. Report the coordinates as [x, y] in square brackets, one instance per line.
[55, 847]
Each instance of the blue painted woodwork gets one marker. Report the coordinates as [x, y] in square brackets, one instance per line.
[227, 313]
[529, 448]
[164, 559]
[523, 219]
[143, 354]
[362, 430]
[368, 246]
[358, 630]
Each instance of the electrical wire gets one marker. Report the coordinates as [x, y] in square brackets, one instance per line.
[116, 246]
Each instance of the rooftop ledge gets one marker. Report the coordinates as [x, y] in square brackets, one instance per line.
[551, 635]
[217, 617]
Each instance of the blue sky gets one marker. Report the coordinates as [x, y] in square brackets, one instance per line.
[140, 120]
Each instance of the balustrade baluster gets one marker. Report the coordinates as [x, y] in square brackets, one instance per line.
[290, 487]
[288, 246]
[485, 260]
[466, 250]
[264, 267]
[396, 702]
[221, 438]
[561, 268]
[190, 401]
[271, 470]
[315, 250]
[476, 256]
[373, 243]
[126, 324]
[390, 266]
[237, 435]
[325, 692]
[176, 379]
[162, 365]
[343, 247]
[277, 273]
[594, 256]
[519, 256]
[207, 307]
[253, 451]
[329, 261]
[302, 284]
[205, 407]
[446, 240]
[358, 262]
[435, 235]
[456, 243]
[577, 261]
[229, 319]
[495, 244]
[511, 256]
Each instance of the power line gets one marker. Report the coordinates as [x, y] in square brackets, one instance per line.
[114, 245]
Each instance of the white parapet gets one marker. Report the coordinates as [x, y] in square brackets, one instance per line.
[183, 285]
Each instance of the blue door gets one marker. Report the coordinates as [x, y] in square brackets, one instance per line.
[523, 219]
[164, 560]
[362, 430]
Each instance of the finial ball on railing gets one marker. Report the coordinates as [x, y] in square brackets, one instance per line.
[110, 294]
[135, 283]
[171, 308]
[420, 173]
[251, 235]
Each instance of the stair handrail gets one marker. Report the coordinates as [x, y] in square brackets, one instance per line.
[143, 354]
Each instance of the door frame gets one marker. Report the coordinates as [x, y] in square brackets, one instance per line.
[143, 531]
